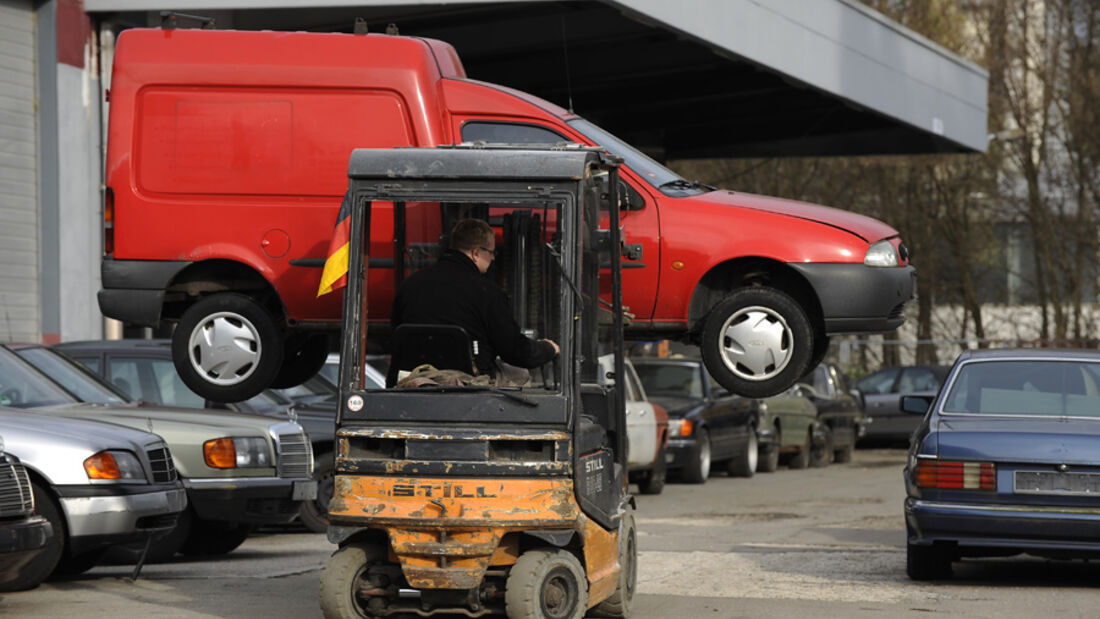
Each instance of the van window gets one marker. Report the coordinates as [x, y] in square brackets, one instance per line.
[260, 141]
[509, 133]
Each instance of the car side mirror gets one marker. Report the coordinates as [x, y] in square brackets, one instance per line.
[915, 404]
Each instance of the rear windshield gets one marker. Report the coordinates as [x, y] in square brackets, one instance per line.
[673, 380]
[1031, 388]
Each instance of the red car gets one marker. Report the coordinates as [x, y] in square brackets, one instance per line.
[225, 170]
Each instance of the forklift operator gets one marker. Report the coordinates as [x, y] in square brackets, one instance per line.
[455, 291]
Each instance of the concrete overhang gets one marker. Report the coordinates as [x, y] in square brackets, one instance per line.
[688, 79]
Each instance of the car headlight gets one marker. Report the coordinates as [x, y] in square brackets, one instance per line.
[881, 254]
[680, 427]
[231, 453]
[113, 465]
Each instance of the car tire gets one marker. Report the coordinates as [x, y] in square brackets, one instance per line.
[844, 454]
[768, 460]
[343, 576]
[314, 514]
[304, 355]
[821, 455]
[74, 566]
[227, 348]
[927, 562]
[620, 603]
[780, 348]
[45, 562]
[546, 583]
[208, 538]
[653, 480]
[801, 459]
[744, 463]
[161, 551]
[697, 465]
[821, 348]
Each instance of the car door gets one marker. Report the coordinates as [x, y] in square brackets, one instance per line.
[881, 400]
[641, 423]
[917, 380]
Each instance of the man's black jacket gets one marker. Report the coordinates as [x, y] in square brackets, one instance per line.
[453, 292]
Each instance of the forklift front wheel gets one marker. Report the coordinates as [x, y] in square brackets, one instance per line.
[546, 584]
[343, 576]
[619, 604]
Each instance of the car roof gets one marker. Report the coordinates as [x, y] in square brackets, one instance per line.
[1052, 354]
[114, 344]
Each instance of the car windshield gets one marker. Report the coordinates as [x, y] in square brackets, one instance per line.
[675, 380]
[669, 182]
[1026, 387]
[22, 386]
[72, 376]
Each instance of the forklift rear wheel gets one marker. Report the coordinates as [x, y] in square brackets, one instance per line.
[314, 514]
[343, 576]
[697, 466]
[619, 604]
[546, 584]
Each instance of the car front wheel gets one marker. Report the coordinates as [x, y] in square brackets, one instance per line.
[227, 348]
[697, 467]
[757, 342]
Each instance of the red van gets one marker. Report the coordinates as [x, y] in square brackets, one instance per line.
[226, 162]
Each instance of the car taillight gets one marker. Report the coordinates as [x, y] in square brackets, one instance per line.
[956, 475]
[108, 221]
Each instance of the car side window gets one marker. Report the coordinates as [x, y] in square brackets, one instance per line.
[917, 379]
[509, 133]
[172, 390]
[125, 374]
[878, 383]
[91, 362]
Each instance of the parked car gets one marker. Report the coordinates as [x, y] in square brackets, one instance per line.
[145, 368]
[239, 470]
[706, 423]
[375, 370]
[882, 391]
[97, 484]
[23, 532]
[785, 420]
[646, 431]
[839, 413]
[1005, 461]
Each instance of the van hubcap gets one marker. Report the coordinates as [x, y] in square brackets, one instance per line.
[756, 343]
[224, 348]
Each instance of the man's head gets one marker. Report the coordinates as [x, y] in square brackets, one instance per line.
[475, 238]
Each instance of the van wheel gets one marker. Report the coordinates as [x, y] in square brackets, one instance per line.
[546, 584]
[757, 342]
[43, 564]
[227, 348]
[344, 575]
[303, 356]
[620, 602]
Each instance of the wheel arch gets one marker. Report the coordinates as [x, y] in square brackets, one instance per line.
[727, 276]
[206, 277]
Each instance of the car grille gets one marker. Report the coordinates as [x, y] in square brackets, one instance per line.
[295, 455]
[16, 498]
[161, 462]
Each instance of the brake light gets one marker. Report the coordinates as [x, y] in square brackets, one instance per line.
[956, 475]
[108, 221]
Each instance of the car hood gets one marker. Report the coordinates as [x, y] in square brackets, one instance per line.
[867, 228]
[171, 423]
[676, 407]
[21, 426]
[1053, 440]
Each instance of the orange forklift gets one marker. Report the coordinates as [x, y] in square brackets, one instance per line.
[459, 496]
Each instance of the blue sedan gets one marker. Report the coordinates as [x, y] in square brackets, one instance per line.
[1006, 461]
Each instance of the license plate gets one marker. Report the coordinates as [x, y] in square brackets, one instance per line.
[1053, 482]
[304, 491]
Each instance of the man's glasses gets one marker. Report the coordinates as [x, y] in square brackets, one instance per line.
[492, 252]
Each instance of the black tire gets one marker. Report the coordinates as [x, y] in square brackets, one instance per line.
[802, 459]
[208, 538]
[342, 576]
[744, 464]
[314, 514]
[200, 354]
[821, 348]
[74, 566]
[304, 355]
[618, 606]
[697, 466]
[927, 562]
[161, 551]
[546, 584]
[821, 455]
[44, 563]
[844, 454]
[768, 461]
[777, 354]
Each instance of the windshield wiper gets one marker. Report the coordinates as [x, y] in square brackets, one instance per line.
[504, 391]
[686, 184]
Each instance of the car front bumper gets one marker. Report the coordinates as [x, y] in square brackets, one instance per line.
[20, 541]
[251, 500]
[1025, 527]
[856, 298]
[680, 450]
[96, 519]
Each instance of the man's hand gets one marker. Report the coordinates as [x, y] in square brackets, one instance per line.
[557, 349]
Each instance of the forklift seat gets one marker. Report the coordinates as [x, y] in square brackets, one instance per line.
[446, 347]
